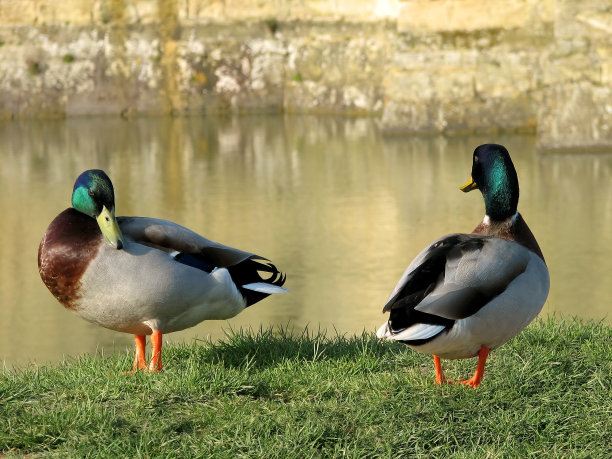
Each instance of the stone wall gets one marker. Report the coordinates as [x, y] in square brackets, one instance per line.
[421, 65]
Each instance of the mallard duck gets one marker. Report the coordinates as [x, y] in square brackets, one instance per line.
[144, 276]
[466, 294]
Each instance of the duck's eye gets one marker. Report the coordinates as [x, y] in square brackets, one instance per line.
[90, 193]
[475, 158]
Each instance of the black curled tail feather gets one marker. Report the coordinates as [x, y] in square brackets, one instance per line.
[250, 271]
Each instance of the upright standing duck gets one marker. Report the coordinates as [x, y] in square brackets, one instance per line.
[143, 275]
[466, 294]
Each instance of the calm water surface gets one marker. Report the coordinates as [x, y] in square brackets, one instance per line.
[339, 208]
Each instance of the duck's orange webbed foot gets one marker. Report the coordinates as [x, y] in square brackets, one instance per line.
[475, 380]
[469, 382]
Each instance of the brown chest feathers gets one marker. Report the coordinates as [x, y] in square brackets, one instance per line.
[71, 241]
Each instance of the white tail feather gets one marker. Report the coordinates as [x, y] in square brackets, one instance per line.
[262, 287]
[412, 333]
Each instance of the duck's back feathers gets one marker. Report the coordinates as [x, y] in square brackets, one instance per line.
[171, 237]
[255, 277]
[457, 274]
[451, 280]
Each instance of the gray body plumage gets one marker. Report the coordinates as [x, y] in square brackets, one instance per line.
[143, 288]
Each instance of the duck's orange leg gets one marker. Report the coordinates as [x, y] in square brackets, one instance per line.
[474, 381]
[440, 379]
[139, 358]
[156, 348]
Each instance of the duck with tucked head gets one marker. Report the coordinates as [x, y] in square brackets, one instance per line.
[466, 294]
[144, 276]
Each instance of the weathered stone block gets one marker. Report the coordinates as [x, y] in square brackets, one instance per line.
[47, 12]
[476, 115]
[586, 20]
[506, 73]
[575, 115]
[14, 12]
[406, 118]
[193, 11]
[463, 15]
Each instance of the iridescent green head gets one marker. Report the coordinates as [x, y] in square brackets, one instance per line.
[494, 175]
[93, 195]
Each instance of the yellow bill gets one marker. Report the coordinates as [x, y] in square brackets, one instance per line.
[468, 186]
[110, 229]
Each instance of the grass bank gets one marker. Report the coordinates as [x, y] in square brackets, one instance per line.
[273, 394]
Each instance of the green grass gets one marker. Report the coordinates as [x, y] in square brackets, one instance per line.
[273, 394]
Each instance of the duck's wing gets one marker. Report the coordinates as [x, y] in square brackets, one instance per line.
[172, 237]
[255, 276]
[452, 279]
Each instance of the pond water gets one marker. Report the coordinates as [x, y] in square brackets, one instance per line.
[336, 206]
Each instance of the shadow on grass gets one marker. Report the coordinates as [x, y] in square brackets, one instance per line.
[558, 346]
[274, 345]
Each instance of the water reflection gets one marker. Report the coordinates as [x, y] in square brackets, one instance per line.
[339, 208]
